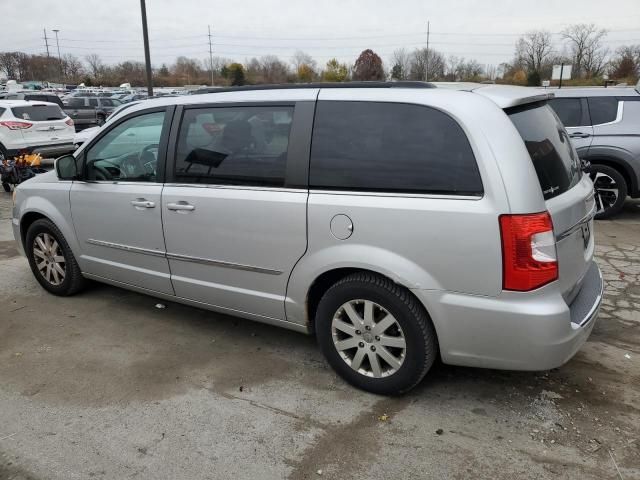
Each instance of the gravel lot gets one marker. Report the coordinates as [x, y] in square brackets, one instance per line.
[104, 385]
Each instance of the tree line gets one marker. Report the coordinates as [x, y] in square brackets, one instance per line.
[582, 46]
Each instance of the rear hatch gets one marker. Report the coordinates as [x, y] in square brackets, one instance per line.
[48, 124]
[567, 191]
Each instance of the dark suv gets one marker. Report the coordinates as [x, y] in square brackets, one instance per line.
[90, 111]
[34, 97]
[604, 125]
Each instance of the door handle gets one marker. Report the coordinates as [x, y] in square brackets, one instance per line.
[141, 202]
[181, 207]
[579, 135]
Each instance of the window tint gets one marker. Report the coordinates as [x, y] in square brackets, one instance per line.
[38, 113]
[603, 109]
[93, 102]
[390, 147]
[569, 110]
[234, 145]
[128, 152]
[106, 102]
[553, 156]
[2, 110]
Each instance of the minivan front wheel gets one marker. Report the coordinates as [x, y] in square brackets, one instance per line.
[51, 259]
[375, 334]
[610, 190]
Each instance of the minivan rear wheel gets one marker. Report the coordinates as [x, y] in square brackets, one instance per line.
[375, 334]
[610, 189]
[51, 259]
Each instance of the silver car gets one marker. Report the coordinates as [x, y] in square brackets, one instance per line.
[397, 222]
[604, 124]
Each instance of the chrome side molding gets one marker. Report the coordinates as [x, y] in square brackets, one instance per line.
[185, 258]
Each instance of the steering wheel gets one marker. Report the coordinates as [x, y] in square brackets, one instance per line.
[146, 152]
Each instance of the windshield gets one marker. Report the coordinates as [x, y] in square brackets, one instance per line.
[553, 156]
[39, 113]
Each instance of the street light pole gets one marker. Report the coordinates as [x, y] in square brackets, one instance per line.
[59, 57]
[147, 55]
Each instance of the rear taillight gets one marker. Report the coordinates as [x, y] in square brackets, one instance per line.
[13, 125]
[69, 122]
[529, 256]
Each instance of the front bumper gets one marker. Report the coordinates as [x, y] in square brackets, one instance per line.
[15, 226]
[514, 331]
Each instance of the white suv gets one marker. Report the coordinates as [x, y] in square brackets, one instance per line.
[39, 127]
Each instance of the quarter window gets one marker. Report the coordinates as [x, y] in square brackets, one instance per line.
[569, 110]
[603, 109]
[234, 145]
[128, 152]
[391, 147]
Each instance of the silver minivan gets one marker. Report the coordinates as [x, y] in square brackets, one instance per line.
[396, 221]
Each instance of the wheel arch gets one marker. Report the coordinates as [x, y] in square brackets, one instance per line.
[622, 166]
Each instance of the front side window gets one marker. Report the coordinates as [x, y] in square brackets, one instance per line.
[569, 110]
[93, 102]
[234, 145]
[393, 147]
[75, 102]
[603, 109]
[128, 152]
[106, 102]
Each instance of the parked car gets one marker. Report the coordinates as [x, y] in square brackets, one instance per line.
[34, 127]
[604, 124]
[398, 223]
[88, 133]
[134, 97]
[36, 97]
[90, 111]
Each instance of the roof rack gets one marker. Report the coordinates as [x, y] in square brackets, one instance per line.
[285, 86]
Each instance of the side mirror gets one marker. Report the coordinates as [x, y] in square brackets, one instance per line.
[66, 168]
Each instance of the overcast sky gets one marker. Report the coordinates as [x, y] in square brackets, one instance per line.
[480, 29]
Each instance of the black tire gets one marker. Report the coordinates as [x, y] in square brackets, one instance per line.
[7, 187]
[417, 328]
[615, 180]
[3, 152]
[73, 280]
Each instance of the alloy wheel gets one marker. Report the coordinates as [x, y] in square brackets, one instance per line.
[368, 338]
[49, 259]
[606, 190]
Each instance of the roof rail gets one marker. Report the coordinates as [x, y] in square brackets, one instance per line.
[285, 86]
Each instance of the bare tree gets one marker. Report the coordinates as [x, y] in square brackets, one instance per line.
[95, 64]
[585, 43]
[301, 58]
[401, 64]
[8, 64]
[534, 49]
[436, 63]
[72, 66]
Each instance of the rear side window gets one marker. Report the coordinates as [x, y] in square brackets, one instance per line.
[2, 110]
[234, 145]
[569, 110]
[554, 158]
[603, 109]
[39, 113]
[392, 147]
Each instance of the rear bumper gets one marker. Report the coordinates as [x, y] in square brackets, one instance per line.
[46, 151]
[514, 331]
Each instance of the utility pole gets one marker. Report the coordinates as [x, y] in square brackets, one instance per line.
[46, 41]
[59, 57]
[210, 56]
[147, 55]
[426, 73]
